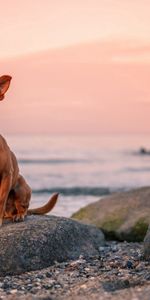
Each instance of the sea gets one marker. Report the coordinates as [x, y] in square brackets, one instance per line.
[82, 169]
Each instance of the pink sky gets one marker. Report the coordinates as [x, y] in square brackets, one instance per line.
[77, 66]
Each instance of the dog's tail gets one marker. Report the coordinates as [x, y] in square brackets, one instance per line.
[45, 208]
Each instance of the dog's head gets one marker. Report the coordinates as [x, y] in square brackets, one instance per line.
[4, 85]
[22, 205]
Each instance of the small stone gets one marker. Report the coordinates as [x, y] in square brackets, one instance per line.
[6, 286]
[40, 276]
[38, 280]
[147, 277]
[21, 288]
[87, 269]
[114, 248]
[49, 274]
[57, 286]
[129, 264]
[13, 291]
[29, 286]
[102, 249]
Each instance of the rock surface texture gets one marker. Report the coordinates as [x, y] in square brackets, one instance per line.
[121, 216]
[147, 245]
[41, 240]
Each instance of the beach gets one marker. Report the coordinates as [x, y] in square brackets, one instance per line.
[119, 272]
[82, 170]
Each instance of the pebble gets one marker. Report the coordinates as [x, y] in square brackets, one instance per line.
[13, 291]
[129, 264]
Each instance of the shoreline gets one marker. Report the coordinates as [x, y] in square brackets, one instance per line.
[119, 272]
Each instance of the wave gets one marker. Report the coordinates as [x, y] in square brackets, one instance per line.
[137, 170]
[75, 191]
[51, 161]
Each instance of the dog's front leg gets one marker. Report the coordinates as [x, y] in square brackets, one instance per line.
[5, 186]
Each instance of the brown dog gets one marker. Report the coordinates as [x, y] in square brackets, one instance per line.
[15, 193]
[9, 173]
[19, 199]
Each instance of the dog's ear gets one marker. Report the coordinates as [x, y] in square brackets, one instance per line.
[4, 85]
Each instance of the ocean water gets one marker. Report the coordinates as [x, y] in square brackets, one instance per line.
[81, 168]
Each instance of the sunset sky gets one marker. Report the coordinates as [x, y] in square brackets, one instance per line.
[78, 67]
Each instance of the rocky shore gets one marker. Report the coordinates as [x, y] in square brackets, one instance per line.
[122, 216]
[52, 258]
[118, 272]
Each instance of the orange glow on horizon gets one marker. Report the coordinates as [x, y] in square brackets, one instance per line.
[77, 66]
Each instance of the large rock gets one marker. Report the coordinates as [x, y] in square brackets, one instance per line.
[147, 245]
[121, 216]
[41, 240]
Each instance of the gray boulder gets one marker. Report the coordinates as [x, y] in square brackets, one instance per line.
[147, 244]
[41, 240]
[121, 216]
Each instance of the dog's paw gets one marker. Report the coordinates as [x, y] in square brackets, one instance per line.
[18, 218]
